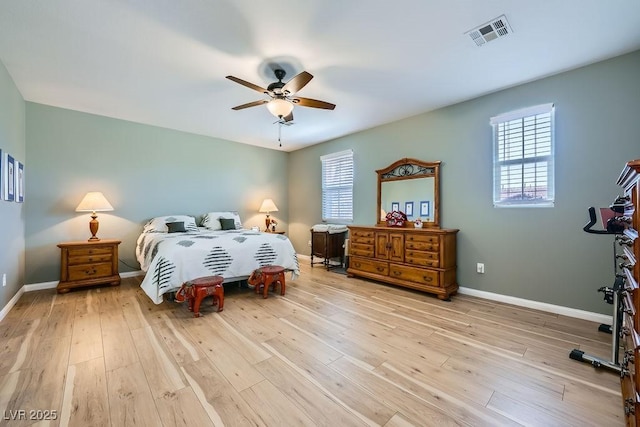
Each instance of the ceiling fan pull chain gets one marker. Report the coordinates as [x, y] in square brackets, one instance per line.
[279, 132]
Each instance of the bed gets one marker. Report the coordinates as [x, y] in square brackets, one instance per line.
[172, 250]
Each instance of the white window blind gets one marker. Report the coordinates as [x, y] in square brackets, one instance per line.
[337, 186]
[523, 157]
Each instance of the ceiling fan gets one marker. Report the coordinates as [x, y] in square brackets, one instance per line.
[282, 95]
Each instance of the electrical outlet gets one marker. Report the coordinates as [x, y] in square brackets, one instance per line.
[480, 268]
[4, 279]
[309, 243]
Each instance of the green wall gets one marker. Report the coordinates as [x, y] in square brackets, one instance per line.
[12, 214]
[539, 254]
[143, 171]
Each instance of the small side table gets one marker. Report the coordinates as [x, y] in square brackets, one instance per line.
[88, 264]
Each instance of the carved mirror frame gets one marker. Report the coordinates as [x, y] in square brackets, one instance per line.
[406, 169]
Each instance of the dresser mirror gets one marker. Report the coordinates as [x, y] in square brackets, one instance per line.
[413, 187]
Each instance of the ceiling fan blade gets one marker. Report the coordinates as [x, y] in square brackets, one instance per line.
[314, 103]
[288, 118]
[297, 83]
[247, 84]
[250, 104]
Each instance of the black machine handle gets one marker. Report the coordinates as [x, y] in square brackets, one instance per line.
[591, 223]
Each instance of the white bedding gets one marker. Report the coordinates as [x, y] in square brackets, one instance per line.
[170, 259]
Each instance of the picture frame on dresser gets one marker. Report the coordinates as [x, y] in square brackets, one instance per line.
[395, 206]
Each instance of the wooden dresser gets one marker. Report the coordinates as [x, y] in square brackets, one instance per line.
[88, 264]
[417, 258]
[629, 251]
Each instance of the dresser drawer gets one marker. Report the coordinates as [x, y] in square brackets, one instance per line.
[355, 234]
[429, 259]
[422, 246]
[413, 274]
[90, 271]
[369, 266]
[363, 240]
[361, 250]
[422, 238]
[630, 401]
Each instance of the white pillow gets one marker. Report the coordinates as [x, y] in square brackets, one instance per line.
[211, 220]
[159, 224]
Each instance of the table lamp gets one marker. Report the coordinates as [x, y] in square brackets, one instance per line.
[93, 202]
[267, 207]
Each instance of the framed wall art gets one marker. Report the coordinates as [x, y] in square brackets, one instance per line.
[408, 208]
[19, 189]
[8, 175]
[395, 206]
[424, 208]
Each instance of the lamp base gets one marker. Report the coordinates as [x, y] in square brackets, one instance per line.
[93, 226]
[267, 223]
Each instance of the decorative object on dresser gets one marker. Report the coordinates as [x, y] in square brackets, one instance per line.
[327, 242]
[629, 180]
[267, 207]
[93, 202]
[88, 264]
[418, 258]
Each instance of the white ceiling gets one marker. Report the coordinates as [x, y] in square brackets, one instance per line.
[164, 62]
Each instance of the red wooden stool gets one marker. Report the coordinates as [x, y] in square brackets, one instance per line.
[267, 277]
[197, 289]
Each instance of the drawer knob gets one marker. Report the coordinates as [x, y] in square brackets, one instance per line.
[427, 278]
[380, 269]
[89, 272]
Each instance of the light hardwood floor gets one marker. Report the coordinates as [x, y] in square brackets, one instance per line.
[334, 351]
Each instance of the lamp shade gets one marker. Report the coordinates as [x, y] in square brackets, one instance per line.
[94, 201]
[268, 206]
[280, 107]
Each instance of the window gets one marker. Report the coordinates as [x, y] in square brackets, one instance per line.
[523, 166]
[337, 186]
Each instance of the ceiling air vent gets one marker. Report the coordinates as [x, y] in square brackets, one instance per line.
[493, 29]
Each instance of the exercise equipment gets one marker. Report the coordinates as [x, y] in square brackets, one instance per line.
[614, 225]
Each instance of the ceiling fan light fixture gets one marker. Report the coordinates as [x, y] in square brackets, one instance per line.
[280, 107]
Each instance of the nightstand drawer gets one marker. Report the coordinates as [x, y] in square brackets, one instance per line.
[90, 271]
[77, 252]
[90, 259]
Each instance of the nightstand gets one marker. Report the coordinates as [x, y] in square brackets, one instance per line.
[87, 264]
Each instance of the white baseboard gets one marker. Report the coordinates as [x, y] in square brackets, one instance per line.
[536, 305]
[11, 303]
